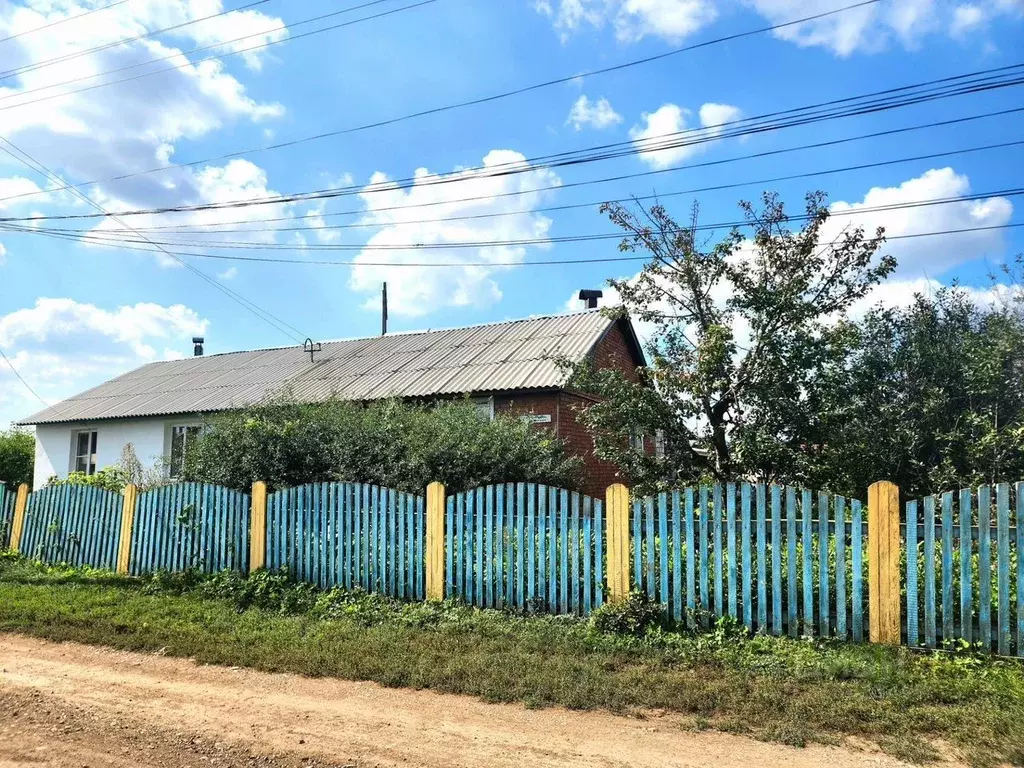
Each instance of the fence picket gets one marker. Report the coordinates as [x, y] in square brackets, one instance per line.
[762, 564]
[1003, 565]
[776, 560]
[679, 550]
[704, 512]
[929, 571]
[791, 585]
[823, 578]
[807, 541]
[745, 561]
[857, 558]
[663, 546]
[840, 534]
[913, 636]
[947, 566]
[1019, 520]
[966, 597]
[985, 566]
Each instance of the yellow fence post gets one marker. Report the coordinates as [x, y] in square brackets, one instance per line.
[18, 524]
[258, 527]
[617, 526]
[435, 541]
[124, 547]
[884, 563]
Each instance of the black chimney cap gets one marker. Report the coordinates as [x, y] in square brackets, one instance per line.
[591, 296]
[198, 340]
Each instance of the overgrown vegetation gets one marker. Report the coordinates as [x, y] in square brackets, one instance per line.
[389, 443]
[624, 659]
[767, 363]
[17, 456]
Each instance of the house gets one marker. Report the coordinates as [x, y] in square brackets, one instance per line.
[508, 367]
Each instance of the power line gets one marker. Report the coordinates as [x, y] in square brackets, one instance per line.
[480, 100]
[280, 325]
[209, 229]
[34, 66]
[22, 380]
[106, 236]
[61, 21]
[207, 58]
[574, 238]
[756, 125]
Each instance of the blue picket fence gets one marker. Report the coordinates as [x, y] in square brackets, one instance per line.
[778, 559]
[527, 546]
[190, 525]
[6, 515]
[74, 524]
[964, 579]
[350, 535]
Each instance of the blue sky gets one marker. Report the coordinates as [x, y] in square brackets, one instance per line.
[73, 314]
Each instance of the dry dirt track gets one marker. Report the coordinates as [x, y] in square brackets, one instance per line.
[71, 706]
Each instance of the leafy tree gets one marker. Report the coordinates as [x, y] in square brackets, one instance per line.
[17, 456]
[740, 333]
[932, 398]
[389, 443]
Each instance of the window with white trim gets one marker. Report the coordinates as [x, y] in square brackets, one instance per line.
[83, 451]
[484, 406]
[182, 436]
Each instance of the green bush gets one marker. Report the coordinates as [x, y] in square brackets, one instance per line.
[17, 456]
[108, 478]
[389, 443]
[633, 616]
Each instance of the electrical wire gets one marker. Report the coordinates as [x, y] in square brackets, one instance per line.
[37, 65]
[62, 21]
[23, 381]
[179, 54]
[19, 154]
[521, 242]
[484, 99]
[746, 127]
[212, 228]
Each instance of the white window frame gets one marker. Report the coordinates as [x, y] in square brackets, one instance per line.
[485, 406]
[169, 444]
[91, 467]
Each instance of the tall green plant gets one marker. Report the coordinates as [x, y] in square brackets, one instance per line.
[17, 456]
[390, 443]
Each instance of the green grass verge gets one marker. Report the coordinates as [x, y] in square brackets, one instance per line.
[770, 688]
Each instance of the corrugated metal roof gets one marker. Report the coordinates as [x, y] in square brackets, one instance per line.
[519, 354]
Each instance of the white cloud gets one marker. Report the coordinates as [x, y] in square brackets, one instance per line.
[658, 126]
[415, 291]
[133, 126]
[62, 346]
[632, 20]
[228, 274]
[937, 254]
[867, 29]
[594, 114]
[3, 254]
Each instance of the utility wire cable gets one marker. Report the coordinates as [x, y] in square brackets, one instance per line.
[19, 154]
[37, 65]
[542, 263]
[177, 55]
[28, 386]
[105, 235]
[62, 21]
[493, 97]
[532, 164]
[98, 239]
[213, 227]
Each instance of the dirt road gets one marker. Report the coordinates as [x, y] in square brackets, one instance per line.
[69, 706]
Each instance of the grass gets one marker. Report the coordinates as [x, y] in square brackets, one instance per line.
[790, 691]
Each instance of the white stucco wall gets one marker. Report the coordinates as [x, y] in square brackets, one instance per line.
[150, 437]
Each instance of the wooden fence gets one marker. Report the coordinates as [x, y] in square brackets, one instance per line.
[780, 560]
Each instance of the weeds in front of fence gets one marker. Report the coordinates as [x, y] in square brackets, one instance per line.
[779, 689]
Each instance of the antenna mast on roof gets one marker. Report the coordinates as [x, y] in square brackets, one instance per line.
[384, 311]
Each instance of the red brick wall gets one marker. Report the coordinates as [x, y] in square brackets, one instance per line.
[564, 406]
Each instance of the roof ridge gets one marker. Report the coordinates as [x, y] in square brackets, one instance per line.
[391, 334]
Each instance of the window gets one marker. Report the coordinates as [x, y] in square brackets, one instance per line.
[83, 447]
[181, 437]
[484, 406]
[636, 441]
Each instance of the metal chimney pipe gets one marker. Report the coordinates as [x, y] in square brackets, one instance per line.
[197, 350]
[384, 311]
[591, 296]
